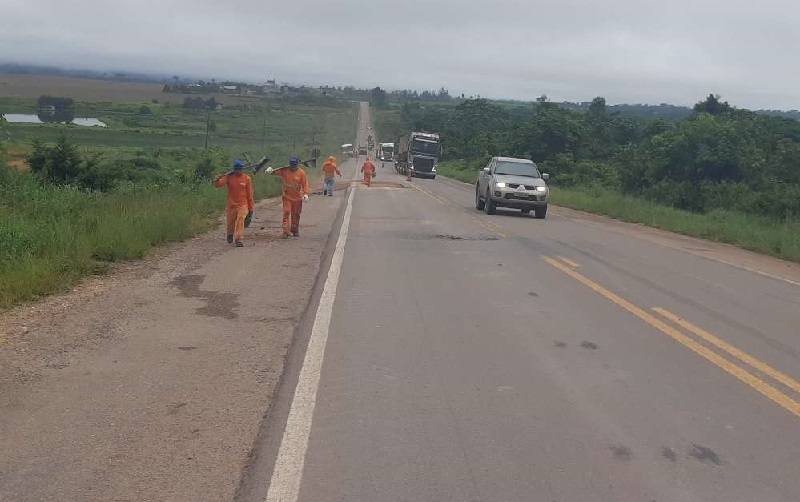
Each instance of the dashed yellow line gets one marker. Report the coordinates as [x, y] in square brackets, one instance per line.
[751, 380]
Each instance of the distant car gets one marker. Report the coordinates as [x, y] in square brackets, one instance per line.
[362, 150]
[514, 183]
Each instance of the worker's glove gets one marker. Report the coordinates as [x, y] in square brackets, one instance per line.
[305, 197]
[269, 170]
[248, 219]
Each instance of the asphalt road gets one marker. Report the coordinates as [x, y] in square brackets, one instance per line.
[502, 358]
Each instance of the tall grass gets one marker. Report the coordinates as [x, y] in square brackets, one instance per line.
[756, 233]
[51, 236]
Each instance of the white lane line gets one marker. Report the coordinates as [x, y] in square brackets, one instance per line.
[288, 472]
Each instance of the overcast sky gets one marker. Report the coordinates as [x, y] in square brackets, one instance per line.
[631, 51]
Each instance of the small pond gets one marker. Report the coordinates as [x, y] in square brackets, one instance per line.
[28, 118]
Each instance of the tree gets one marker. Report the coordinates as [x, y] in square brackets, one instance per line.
[712, 105]
[378, 97]
[61, 163]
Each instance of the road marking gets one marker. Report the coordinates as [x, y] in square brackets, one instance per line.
[730, 349]
[288, 472]
[753, 381]
[569, 262]
[608, 226]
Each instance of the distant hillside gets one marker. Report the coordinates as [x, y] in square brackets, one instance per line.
[20, 69]
[640, 111]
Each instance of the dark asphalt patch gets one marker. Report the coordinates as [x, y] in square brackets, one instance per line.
[217, 304]
[669, 454]
[534, 295]
[622, 453]
[589, 345]
[186, 348]
[560, 344]
[704, 454]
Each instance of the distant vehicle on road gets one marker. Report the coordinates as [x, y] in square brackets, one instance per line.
[514, 183]
[417, 154]
[362, 150]
[386, 152]
[347, 149]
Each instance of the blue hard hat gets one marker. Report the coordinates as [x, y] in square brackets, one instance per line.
[238, 164]
[293, 161]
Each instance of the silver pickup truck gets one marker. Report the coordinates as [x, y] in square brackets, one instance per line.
[514, 183]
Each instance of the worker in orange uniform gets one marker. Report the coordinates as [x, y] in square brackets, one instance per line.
[240, 201]
[330, 169]
[295, 191]
[369, 171]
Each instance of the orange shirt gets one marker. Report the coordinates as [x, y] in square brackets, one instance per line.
[330, 168]
[240, 190]
[368, 167]
[295, 183]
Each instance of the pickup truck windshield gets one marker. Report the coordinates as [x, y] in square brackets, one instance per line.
[517, 169]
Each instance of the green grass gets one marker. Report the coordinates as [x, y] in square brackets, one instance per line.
[52, 236]
[756, 233]
[459, 170]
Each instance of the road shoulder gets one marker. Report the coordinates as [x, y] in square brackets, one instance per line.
[151, 383]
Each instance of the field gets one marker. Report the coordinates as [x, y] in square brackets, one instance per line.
[53, 235]
[91, 90]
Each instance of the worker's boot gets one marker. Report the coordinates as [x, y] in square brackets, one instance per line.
[230, 239]
[239, 244]
[324, 192]
[296, 232]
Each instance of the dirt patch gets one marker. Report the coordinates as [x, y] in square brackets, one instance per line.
[19, 165]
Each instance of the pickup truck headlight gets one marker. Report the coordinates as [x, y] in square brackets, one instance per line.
[541, 189]
[500, 185]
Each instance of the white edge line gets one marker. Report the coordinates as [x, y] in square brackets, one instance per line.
[288, 471]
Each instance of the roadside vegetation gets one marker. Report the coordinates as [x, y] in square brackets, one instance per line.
[722, 173]
[78, 199]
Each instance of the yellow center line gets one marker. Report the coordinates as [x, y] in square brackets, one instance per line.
[569, 262]
[753, 381]
[730, 349]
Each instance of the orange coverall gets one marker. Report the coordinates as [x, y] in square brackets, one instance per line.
[295, 185]
[368, 168]
[330, 169]
[240, 201]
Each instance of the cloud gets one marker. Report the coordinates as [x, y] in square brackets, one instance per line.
[625, 50]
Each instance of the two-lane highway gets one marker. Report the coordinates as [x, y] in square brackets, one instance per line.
[468, 357]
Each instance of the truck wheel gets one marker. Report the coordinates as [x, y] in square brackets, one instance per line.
[526, 211]
[479, 204]
[490, 205]
[541, 212]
